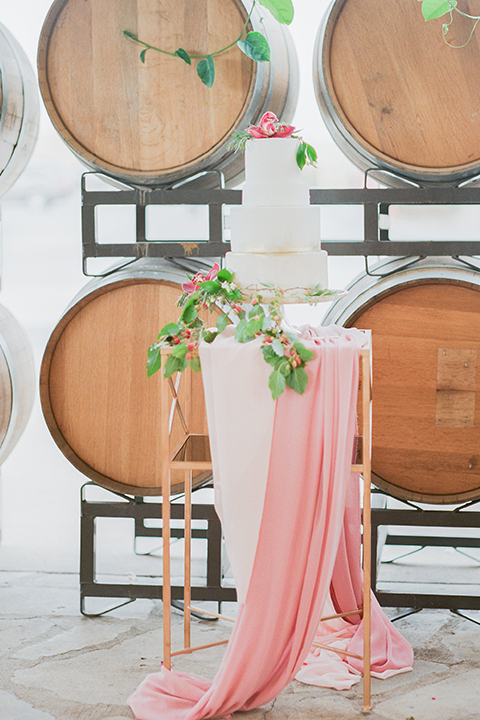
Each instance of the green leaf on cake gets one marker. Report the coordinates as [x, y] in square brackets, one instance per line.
[254, 326]
[208, 336]
[276, 383]
[298, 380]
[206, 71]
[222, 322]
[255, 46]
[432, 9]
[142, 55]
[224, 275]
[269, 354]
[154, 359]
[282, 10]
[210, 286]
[301, 155]
[311, 154]
[181, 53]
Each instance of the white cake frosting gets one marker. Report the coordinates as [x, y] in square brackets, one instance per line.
[275, 233]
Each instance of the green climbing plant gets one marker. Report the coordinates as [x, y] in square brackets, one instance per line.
[432, 9]
[254, 45]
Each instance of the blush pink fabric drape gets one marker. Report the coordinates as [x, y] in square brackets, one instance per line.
[301, 529]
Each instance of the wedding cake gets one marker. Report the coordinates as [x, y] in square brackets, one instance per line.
[275, 233]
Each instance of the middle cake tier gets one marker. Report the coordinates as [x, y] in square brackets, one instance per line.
[275, 229]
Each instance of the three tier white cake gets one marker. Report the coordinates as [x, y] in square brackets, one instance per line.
[275, 233]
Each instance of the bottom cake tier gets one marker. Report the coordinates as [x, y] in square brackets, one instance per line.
[288, 271]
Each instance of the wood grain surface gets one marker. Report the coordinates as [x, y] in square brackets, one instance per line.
[150, 117]
[398, 89]
[100, 406]
[426, 403]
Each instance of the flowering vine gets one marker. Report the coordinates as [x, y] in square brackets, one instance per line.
[217, 291]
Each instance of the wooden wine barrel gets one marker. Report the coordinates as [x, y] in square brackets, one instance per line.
[17, 382]
[393, 94]
[19, 110]
[155, 123]
[100, 407]
[425, 323]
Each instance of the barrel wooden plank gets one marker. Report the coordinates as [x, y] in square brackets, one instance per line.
[425, 442]
[145, 117]
[397, 92]
[100, 406]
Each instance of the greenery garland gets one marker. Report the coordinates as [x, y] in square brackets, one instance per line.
[281, 350]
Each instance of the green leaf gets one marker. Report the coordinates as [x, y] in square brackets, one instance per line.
[255, 46]
[172, 365]
[282, 10]
[266, 323]
[210, 286]
[169, 329]
[254, 326]
[311, 154]
[432, 9]
[269, 355]
[276, 383]
[284, 366]
[224, 275]
[154, 359]
[130, 35]
[303, 353]
[298, 380]
[242, 333]
[189, 313]
[195, 364]
[256, 310]
[179, 350]
[278, 347]
[222, 322]
[142, 55]
[209, 336]
[301, 155]
[181, 53]
[206, 71]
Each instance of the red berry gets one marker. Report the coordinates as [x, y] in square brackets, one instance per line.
[191, 346]
[189, 356]
[293, 351]
[254, 301]
[299, 362]
[176, 340]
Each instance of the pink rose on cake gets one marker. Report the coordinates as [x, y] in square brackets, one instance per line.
[270, 127]
[194, 283]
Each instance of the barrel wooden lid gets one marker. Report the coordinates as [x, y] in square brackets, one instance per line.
[135, 119]
[426, 386]
[398, 89]
[100, 406]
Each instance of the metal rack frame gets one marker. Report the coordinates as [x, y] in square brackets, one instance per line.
[376, 204]
[376, 241]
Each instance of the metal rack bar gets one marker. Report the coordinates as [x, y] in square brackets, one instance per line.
[376, 203]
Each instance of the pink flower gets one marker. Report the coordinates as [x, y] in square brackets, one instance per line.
[194, 283]
[213, 272]
[284, 131]
[269, 127]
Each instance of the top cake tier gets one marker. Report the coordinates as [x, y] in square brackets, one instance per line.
[272, 176]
